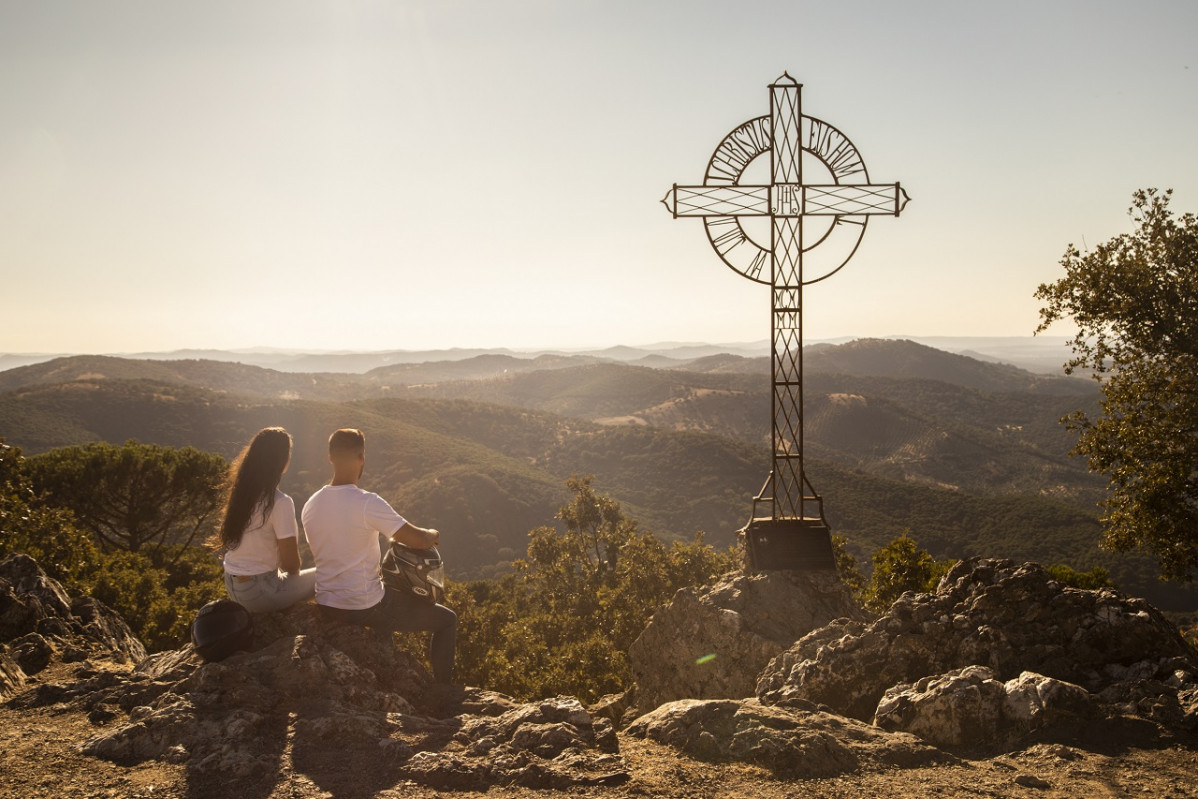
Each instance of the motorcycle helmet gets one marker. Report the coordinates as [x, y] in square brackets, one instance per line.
[221, 628]
[414, 572]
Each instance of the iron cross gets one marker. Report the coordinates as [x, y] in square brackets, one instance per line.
[800, 251]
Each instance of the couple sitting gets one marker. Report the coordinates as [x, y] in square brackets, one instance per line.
[342, 523]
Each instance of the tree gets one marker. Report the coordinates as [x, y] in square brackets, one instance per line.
[135, 497]
[901, 566]
[846, 566]
[563, 622]
[158, 602]
[47, 534]
[1091, 580]
[1134, 300]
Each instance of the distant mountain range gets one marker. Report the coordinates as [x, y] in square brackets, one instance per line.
[1042, 354]
[966, 455]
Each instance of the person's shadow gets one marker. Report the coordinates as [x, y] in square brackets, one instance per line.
[351, 748]
[305, 708]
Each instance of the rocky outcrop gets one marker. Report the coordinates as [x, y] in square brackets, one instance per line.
[232, 719]
[39, 622]
[711, 643]
[334, 699]
[1006, 617]
[1001, 652]
[315, 683]
[968, 706]
[791, 742]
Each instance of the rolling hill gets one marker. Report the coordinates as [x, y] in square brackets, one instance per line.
[964, 469]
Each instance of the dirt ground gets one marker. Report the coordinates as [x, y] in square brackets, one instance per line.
[39, 758]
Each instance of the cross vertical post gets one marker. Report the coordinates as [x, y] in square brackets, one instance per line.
[795, 534]
[786, 280]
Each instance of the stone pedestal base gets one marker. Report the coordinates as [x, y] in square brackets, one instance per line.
[788, 545]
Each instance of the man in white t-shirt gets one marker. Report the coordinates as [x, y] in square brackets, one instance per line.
[343, 523]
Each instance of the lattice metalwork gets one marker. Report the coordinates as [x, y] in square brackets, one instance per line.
[815, 228]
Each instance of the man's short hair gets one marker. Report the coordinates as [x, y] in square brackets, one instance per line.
[347, 441]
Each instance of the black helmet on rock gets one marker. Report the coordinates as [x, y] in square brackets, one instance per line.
[414, 572]
[221, 628]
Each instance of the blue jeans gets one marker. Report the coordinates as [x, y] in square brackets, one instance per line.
[403, 613]
[268, 592]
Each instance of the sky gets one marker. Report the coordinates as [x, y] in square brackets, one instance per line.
[474, 173]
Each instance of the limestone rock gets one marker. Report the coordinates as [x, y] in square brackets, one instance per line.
[32, 652]
[712, 643]
[969, 707]
[12, 677]
[39, 620]
[792, 743]
[555, 743]
[1008, 617]
[27, 596]
[104, 628]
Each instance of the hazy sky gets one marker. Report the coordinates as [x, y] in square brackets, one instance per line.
[376, 175]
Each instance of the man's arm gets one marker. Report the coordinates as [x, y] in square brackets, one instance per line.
[410, 535]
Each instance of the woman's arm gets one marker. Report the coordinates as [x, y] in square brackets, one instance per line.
[289, 557]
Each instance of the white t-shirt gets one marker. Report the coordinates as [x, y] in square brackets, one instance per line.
[343, 524]
[258, 553]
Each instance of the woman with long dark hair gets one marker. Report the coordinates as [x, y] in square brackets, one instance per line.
[259, 532]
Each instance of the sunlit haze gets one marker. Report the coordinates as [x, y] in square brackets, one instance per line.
[381, 175]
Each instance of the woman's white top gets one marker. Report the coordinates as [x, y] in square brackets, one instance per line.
[258, 553]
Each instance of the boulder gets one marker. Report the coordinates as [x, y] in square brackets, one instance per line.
[103, 628]
[27, 597]
[554, 743]
[32, 652]
[790, 742]
[39, 621]
[711, 643]
[12, 677]
[1008, 617]
[968, 708]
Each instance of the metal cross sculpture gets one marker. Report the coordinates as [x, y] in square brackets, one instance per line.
[814, 229]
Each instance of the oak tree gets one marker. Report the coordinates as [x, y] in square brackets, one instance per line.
[1134, 300]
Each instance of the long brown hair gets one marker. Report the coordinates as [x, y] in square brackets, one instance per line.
[253, 477]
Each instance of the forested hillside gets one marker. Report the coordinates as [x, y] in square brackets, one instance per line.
[965, 469]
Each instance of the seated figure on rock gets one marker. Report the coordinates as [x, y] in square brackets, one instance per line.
[343, 523]
[259, 532]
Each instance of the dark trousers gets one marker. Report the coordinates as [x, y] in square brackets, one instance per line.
[401, 613]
